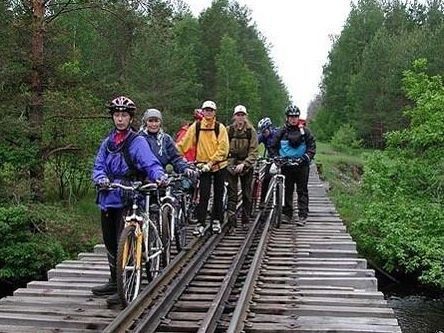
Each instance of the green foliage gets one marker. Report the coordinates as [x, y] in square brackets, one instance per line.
[25, 250]
[158, 54]
[403, 222]
[362, 83]
[346, 138]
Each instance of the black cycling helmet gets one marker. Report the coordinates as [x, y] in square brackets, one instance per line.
[122, 103]
[292, 110]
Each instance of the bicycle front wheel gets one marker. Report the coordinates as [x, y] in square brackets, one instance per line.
[166, 235]
[129, 258]
[180, 231]
[255, 197]
[279, 204]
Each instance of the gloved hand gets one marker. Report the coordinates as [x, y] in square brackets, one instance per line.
[103, 182]
[239, 168]
[205, 167]
[162, 181]
[191, 173]
[273, 169]
[298, 161]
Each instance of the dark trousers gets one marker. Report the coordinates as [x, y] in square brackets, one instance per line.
[246, 183]
[299, 176]
[265, 182]
[112, 225]
[218, 179]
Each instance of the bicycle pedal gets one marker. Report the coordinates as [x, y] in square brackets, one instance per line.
[216, 227]
[199, 231]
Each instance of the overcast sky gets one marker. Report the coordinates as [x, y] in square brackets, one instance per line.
[299, 32]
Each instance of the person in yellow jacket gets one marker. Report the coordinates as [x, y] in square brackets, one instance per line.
[211, 141]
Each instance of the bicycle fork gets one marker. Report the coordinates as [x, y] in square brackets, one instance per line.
[139, 237]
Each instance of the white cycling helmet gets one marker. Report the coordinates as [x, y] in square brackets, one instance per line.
[264, 123]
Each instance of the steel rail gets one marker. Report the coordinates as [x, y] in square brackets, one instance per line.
[240, 312]
[151, 321]
[209, 323]
[126, 318]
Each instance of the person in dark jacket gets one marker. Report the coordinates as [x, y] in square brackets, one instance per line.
[122, 156]
[295, 141]
[241, 160]
[162, 144]
[266, 133]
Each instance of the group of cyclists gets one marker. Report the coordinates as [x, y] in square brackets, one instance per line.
[205, 149]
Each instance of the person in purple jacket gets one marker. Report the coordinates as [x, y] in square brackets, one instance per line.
[266, 134]
[123, 156]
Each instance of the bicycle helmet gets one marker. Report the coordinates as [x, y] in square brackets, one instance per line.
[151, 113]
[122, 103]
[264, 123]
[198, 115]
[293, 110]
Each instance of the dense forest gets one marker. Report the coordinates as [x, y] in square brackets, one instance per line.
[61, 61]
[382, 88]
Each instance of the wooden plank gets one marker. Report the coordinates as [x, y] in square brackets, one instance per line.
[319, 310]
[54, 321]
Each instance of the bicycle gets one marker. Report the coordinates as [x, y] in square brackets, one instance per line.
[141, 238]
[276, 188]
[258, 176]
[173, 215]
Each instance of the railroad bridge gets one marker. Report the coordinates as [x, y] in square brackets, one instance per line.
[291, 279]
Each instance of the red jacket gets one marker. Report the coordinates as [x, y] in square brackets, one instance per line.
[190, 154]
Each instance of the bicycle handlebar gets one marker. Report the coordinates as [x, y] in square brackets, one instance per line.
[135, 186]
[284, 161]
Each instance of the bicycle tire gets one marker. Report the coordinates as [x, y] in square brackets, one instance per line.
[152, 266]
[166, 236]
[180, 231]
[279, 205]
[255, 197]
[129, 265]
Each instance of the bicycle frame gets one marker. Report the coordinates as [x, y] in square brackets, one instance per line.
[143, 224]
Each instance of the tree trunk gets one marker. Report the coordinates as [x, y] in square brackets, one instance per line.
[36, 102]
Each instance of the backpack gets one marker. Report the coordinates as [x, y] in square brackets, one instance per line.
[216, 130]
[133, 172]
[231, 134]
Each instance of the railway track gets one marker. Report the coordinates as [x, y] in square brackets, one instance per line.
[291, 279]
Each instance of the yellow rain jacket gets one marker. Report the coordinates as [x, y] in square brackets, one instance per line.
[210, 149]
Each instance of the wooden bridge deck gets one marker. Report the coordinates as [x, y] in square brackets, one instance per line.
[316, 267]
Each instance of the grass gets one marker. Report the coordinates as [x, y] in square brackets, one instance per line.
[342, 171]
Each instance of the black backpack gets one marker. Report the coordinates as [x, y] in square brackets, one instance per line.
[216, 130]
[133, 172]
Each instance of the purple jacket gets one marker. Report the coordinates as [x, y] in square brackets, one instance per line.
[110, 163]
[267, 141]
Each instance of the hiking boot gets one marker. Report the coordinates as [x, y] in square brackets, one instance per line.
[216, 227]
[114, 299]
[232, 220]
[199, 230]
[301, 221]
[286, 218]
[245, 222]
[108, 288]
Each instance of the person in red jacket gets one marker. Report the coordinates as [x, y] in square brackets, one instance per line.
[190, 154]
